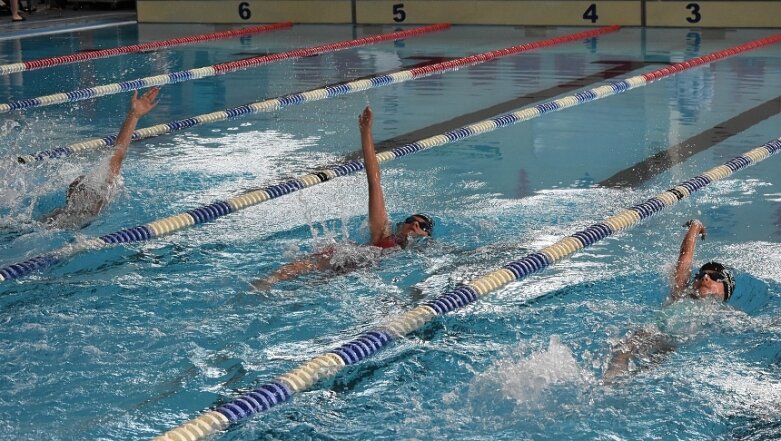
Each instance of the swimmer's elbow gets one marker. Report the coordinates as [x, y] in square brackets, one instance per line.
[263, 285]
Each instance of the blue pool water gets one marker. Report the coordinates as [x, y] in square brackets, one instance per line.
[128, 342]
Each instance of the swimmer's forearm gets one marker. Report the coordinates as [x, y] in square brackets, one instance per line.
[138, 108]
[378, 217]
[127, 129]
[370, 162]
[689, 241]
[367, 145]
[370, 159]
[123, 142]
[686, 257]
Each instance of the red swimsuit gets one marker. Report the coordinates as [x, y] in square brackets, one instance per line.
[386, 242]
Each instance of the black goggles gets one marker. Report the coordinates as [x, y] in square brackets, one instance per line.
[713, 275]
[425, 226]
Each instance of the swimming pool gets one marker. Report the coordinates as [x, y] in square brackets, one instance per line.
[126, 343]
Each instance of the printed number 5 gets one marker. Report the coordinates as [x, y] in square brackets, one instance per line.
[244, 11]
[696, 16]
[398, 13]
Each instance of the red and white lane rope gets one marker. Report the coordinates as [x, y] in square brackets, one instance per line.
[133, 48]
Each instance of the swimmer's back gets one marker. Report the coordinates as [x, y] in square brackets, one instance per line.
[81, 207]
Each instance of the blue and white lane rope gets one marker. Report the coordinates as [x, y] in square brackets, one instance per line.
[274, 104]
[367, 344]
[221, 208]
[210, 71]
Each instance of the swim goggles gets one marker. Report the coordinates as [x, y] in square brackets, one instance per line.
[424, 225]
[713, 275]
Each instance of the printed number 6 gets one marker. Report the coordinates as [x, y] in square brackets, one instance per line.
[696, 16]
[244, 11]
[398, 13]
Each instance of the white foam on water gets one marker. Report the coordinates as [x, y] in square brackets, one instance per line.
[532, 382]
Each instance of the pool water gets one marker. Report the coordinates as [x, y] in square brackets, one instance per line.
[128, 342]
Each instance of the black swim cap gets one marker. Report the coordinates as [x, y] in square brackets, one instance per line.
[729, 280]
[429, 220]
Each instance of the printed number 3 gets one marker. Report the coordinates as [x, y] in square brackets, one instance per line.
[696, 17]
[244, 11]
[398, 13]
[591, 13]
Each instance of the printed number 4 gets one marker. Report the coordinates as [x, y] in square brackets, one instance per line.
[591, 13]
[398, 13]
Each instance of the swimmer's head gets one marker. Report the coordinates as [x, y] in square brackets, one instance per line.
[75, 186]
[715, 280]
[417, 225]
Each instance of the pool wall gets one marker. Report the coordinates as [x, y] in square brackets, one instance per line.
[686, 13]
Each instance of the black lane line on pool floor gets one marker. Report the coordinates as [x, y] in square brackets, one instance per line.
[619, 68]
[653, 165]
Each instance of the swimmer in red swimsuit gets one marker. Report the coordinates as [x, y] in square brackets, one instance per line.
[382, 234]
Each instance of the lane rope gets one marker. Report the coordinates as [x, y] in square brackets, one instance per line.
[369, 343]
[218, 209]
[122, 50]
[273, 104]
[210, 71]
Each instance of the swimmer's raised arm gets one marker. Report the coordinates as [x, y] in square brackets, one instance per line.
[138, 108]
[683, 268]
[378, 216]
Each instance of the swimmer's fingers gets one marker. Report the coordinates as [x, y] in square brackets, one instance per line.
[152, 93]
[698, 226]
[134, 104]
[147, 102]
[365, 119]
[151, 96]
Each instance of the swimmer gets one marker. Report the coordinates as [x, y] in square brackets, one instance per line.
[382, 235]
[713, 282]
[88, 195]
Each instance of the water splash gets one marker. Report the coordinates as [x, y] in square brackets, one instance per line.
[542, 380]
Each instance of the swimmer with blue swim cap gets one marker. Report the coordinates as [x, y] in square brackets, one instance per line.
[382, 234]
[88, 195]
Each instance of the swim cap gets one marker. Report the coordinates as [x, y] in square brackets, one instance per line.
[429, 220]
[729, 280]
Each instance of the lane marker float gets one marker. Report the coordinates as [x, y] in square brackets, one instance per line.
[209, 71]
[369, 343]
[311, 95]
[218, 209]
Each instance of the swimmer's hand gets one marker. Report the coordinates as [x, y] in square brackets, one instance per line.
[697, 226]
[141, 106]
[365, 119]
